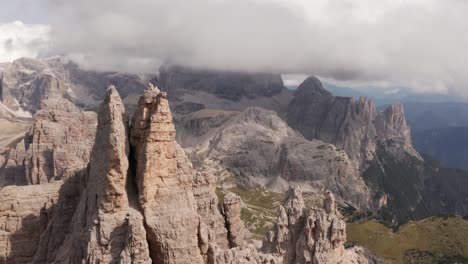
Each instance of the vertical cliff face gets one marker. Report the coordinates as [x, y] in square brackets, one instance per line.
[109, 161]
[342, 121]
[57, 146]
[351, 124]
[27, 82]
[212, 228]
[164, 178]
[45, 86]
[24, 213]
[112, 224]
[391, 124]
[105, 227]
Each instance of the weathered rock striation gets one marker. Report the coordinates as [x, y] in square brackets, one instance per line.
[164, 178]
[24, 214]
[57, 146]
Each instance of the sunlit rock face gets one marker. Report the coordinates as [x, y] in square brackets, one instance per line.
[57, 146]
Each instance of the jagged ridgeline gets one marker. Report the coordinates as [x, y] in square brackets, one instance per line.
[139, 200]
[103, 186]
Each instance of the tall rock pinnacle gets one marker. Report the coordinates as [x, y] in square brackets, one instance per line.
[109, 159]
[107, 229]
[164, 178]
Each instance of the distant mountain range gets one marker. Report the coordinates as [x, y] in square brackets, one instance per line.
[389, 95]
[439, 123]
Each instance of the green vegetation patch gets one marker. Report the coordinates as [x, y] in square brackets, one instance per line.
[438, 238]
[261, 209]
[425, 257]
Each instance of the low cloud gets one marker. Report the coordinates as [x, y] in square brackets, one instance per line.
[419, 44]
[21, 40]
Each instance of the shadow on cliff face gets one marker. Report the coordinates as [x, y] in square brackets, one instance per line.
[117, 244]
[22, 174]
[23, 242]
[42, 234]
[131, 184]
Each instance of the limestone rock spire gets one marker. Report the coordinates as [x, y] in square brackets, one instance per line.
[109, 159]
[106, 229]
[164, 177]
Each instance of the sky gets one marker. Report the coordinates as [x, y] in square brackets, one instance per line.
[27, 11]
[417, 44]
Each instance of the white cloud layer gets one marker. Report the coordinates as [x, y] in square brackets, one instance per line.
[21, 40]
[420, 44]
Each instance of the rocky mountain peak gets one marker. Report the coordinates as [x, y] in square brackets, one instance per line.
[109, 160]
[111, 100]
[312, 86]
[106, 226]
[164, 179]
[351, 124]
[391, 124]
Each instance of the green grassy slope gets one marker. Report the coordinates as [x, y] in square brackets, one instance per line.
[433, 240]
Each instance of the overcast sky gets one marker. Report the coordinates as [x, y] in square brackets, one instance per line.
[419, 44]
